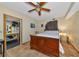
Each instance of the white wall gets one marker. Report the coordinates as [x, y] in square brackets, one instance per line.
[26, 22]
[73, 29]
[39, 22]
[27, 30]
[1, 26]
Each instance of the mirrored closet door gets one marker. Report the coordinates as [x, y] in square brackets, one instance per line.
[13, 31]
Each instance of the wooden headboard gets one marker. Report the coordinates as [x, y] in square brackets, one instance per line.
[51, 25]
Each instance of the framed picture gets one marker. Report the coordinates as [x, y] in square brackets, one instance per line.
[32, 25]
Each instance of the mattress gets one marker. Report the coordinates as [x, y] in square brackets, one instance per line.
[51, 34]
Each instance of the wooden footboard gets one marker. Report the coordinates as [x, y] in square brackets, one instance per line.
[46, 45]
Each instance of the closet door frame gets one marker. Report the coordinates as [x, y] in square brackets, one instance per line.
[4, 30]
[21, 31]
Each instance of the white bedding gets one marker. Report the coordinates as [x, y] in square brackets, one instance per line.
[61, 49]
[52, 34]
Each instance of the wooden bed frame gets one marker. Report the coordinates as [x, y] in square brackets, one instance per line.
[46, 45]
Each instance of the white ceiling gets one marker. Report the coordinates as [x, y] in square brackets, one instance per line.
[58, 9]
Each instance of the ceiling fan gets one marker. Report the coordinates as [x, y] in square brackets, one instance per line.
[38, 7]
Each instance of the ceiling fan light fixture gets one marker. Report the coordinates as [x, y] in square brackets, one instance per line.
[39, 7]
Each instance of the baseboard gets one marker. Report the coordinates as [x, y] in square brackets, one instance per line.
[25, 42]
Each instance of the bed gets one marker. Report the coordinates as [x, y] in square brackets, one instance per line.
[47, 42]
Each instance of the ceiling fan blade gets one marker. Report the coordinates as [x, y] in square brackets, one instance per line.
[31, 10]
[32, 4]
[39, 13]
[45, 9]
[42, 3]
